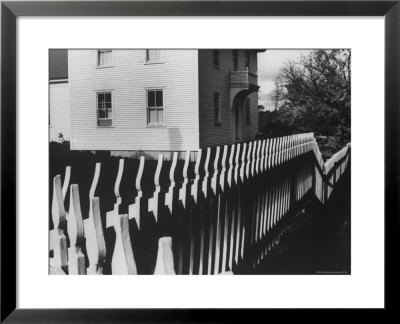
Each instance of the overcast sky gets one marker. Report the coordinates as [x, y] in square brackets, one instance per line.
[269, 64]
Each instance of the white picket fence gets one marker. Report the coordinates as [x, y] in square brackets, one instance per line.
[229, 215]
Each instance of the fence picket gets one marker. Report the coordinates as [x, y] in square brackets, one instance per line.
[76, 258]
[215, 223]
[58, 240]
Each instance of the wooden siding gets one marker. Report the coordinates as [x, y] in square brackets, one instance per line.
[217, 79]
[60, 117]
[128, 78]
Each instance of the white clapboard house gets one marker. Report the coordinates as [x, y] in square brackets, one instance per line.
[127, 101]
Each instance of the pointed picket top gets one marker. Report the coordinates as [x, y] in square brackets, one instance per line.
[158, 170]
[231, 166]
[95, 243]
[169, 195]
[112, 214]
[76, 259]
[186, 166]
[248, 161]
[206, 173]
[197, 165]
[243, 164]
[282, 159]
[258, 156]
[123, 261]
[215, 174]
[118, 181]
[277, 150]
[267, 153]
[253, 158]
[236, 175]
[165, 257]
[223, 170]
[183, 190]
[262, 156]
[57, 208]
[134, 209]
[271, 154]
[95, 180]
[153, 202]
[194, 190]
[75, 223]
[138, 182]
[224, 155]
[67, 178]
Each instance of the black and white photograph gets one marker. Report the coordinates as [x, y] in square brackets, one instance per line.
[199, 161]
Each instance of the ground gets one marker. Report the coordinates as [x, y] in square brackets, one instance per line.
[318, 241]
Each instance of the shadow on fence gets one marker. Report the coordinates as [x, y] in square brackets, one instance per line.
[219, 214]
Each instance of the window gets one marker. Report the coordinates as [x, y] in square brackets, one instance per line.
[155, 107]
[217, 112]
[104, 109]
[216, 57]
[235, 60]
[104, 58]
[247, 59]
[248, 121]
[154, 56]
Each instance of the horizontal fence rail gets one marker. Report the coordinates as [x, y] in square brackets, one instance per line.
[219, 214]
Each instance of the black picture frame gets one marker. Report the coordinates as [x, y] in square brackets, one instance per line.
[10, 10]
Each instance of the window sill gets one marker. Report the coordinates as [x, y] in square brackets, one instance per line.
[104, 67]
[156, 126]
[154, 62]
[105, 126]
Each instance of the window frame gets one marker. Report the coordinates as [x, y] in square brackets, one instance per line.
[217, 116]
[235, 58]
[247, 59]
[216, 58]
[110, 64]
[112, 109]
[146, 56]
[147, 116]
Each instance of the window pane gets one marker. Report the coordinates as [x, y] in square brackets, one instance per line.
[151, 100]
[104, 122]
[153, 55]
[159, 115]
[152, 116]
[159, 98]
[108, 58]
[104, 57]
[100, 100]
[107, 96]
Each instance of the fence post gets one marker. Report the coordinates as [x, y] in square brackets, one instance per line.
[95, 244]
[76, 259]
[165, 258]
[58, 240]
[123, 262]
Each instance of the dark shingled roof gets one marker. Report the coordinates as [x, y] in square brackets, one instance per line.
[58, 64]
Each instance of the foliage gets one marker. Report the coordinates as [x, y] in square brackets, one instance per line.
[313, 94]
